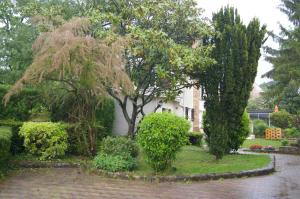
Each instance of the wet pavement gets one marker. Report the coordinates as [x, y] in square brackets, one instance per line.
[75, 184]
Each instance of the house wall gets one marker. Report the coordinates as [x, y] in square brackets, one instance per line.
[178, 106]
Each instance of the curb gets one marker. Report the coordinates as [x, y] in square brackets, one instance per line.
[197, 177]
[36, 165]
[275, 152]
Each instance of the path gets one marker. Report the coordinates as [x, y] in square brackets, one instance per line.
[75, 184]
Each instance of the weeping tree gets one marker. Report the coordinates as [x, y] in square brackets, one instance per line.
[228, 83]
[69, 59]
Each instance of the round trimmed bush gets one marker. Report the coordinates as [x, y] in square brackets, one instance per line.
[45, 139]
[161, 135]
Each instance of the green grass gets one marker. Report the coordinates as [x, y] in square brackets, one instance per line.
[194, 160]
[262, 142]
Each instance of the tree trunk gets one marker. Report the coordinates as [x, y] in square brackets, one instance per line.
[132, 122]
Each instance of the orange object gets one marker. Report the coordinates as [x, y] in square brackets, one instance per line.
[276, 109]
[273, 134]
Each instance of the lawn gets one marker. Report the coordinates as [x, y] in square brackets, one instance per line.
[262, 142]
[194, 160]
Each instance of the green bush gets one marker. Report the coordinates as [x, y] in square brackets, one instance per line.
[161, 135]
[16, 141]
[291, 133]
[284, 142]
[114, 163]
[259, 127]
[20, 105]
[281, 119]
[5, 143]
[45, 139]
[195, 138]
[121, 146]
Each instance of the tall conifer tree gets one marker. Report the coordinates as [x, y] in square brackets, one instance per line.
[229, 82]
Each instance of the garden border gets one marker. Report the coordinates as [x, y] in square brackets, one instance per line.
[270, 168]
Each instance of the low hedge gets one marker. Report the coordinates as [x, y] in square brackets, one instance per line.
[5, 143]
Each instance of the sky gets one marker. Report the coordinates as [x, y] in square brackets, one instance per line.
[266, 10]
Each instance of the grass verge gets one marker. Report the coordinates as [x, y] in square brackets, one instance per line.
[262, 142]
[194, 160]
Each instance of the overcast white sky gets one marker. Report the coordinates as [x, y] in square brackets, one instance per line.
[266, 10]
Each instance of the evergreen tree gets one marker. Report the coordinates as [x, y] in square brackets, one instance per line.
[284, 90]
[228, 83]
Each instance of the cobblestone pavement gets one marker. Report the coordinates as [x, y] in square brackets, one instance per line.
[75, 184]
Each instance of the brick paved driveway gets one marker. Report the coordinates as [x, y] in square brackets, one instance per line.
[75, 184]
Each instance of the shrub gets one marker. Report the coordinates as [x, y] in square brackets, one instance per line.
[281, 119]
[269, 148]
[5, 143]
[195, 138]
[259, 127]
[16, 141]
[20, 105]
[114, 163]
[255, 147]
[45, 139]
[284, 142]
[119, 146]
[291, 133]
[161, 135]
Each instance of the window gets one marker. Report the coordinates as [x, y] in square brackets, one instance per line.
[186, 113]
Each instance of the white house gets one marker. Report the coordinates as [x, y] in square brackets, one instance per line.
[189, 104]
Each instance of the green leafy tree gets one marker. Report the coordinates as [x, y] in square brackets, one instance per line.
[229, 82]
[82, 66]
[162, 57]
[284, 90]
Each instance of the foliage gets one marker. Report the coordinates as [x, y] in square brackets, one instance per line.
[160, 59]
[119, 146]
[20, 106]
[114, 163]
[79, 66]
[281, 119]
[228, 83]
[16, 141]
[5, 143]
[237, 139]
[285, 142]
[161, 135]
[16, 38]
[255, 147]
[284, 90]
[291, 133]
[195, 138]
[45, 139]
[259, 127]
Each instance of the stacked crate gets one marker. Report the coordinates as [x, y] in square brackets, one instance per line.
[273, 134]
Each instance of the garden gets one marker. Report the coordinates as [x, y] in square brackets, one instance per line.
[81, 59]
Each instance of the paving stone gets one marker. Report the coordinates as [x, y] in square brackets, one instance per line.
[72, 183]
